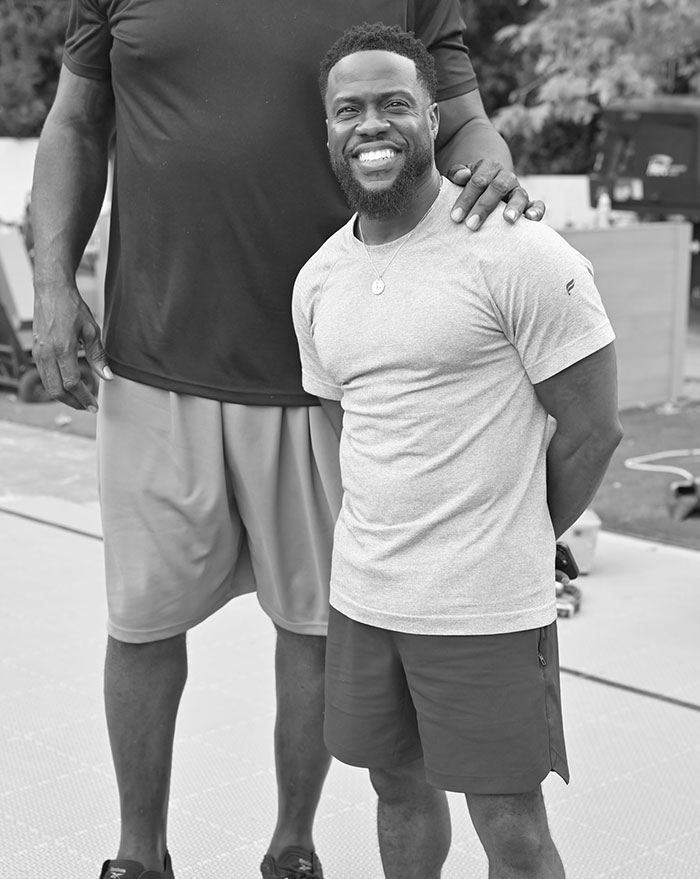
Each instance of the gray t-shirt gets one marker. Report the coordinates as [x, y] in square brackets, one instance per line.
[444, 527]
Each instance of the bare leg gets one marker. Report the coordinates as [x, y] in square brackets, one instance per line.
[143, 684]
[301, 758]
[413, 823]
[514, 832]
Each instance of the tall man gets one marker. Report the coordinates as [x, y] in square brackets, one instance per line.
[440, 359]
[218, 473]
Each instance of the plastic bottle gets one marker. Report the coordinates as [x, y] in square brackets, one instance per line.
[603, 210]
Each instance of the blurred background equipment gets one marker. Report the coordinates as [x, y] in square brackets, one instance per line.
[684, 493]
[649, 163]
[649, 158]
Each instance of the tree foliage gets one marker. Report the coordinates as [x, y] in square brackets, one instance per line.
[578, 55]
[547, 67]
[497, 65]
[31, 45]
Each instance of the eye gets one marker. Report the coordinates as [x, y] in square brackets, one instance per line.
[396, 104]
[345, 111]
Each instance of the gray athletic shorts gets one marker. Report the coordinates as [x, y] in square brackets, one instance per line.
[202, 501]
[483, 711]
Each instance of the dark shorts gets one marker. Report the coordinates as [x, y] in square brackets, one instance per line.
[483, 711]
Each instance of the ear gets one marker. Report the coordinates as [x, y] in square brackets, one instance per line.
[327, 135]
[434, 117]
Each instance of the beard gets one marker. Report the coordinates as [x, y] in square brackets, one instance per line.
[379, 204]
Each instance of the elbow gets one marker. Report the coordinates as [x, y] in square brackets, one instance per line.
[609, 436]
[616, 434]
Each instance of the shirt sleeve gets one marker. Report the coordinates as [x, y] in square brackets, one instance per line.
[440, 26]
[551, 309]
[314, 378]
[88, 40]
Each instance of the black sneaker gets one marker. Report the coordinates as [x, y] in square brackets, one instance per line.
[122, 869]
[293, 863]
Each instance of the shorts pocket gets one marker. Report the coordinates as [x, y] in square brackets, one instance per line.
[542, 647]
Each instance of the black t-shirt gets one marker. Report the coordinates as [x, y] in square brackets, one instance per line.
[222, 187]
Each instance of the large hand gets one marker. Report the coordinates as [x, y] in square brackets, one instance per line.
[62, 325]
[486, 184]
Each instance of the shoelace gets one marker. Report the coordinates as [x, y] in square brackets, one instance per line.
[293, 873]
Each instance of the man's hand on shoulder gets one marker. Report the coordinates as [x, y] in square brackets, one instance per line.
[486, 184]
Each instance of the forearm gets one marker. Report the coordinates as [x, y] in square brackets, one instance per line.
[574, 472]
[70, 178]
[474, 140]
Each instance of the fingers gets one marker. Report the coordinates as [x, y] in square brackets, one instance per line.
[459, 174]
[517, 202]
[74, 390]
[96, 357]
[535, 210]
[488, 185]
[58, 376]
[59, 368]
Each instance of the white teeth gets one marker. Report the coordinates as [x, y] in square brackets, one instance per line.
[376, 155]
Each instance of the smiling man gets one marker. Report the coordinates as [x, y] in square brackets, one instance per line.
[441, 359]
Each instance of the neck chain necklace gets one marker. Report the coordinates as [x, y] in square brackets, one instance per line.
[378, 285]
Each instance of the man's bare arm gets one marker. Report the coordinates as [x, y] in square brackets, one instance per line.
[583, 400]
[334, 411]
[70, 177]
[467, 137]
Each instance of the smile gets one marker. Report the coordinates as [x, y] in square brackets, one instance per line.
[376, 156]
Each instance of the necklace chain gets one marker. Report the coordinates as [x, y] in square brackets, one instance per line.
[378, 285]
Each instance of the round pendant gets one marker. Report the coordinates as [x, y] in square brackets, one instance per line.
[378, 286]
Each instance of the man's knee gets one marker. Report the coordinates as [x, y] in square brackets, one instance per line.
[300, 652]
[513, 828]
[399, 784]
[148, 658]
[519, 848]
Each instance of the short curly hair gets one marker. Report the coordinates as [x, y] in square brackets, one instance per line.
[388, 38]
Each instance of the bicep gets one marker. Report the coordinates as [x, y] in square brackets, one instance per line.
[457, 112]
[583, 397]
[83, 103]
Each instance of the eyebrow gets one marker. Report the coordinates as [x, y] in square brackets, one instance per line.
[382, 96]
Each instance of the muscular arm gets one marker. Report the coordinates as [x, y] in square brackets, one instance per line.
[466, 134]
[467, 137]
[583, 399]
[70, 177]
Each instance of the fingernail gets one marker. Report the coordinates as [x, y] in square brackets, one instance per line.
[511, 215]
[473, 222]
[92, 409]
[457, 215]
[107, 372]
[532, 215]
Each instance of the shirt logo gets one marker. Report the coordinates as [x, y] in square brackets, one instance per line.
[570, 286]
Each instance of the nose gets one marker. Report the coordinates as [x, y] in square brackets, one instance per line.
[372, 123]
